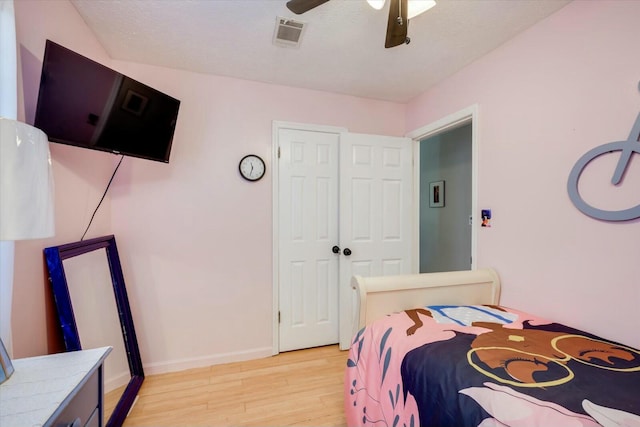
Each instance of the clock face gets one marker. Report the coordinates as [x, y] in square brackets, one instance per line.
[252, 167]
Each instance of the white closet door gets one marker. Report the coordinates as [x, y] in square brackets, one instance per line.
[347, 190]
[308, 225]
[375, 214]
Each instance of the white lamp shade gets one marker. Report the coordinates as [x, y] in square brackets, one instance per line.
[376, 4]
[414, 8]
[26, 182]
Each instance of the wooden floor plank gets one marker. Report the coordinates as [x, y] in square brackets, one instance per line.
[301, 388]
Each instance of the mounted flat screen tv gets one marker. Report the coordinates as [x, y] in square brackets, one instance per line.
[85, 104]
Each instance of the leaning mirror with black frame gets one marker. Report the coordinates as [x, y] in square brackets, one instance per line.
[93, 310]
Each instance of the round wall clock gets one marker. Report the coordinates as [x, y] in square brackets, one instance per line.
[252, 167]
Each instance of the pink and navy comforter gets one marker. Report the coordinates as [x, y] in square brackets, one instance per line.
[487, 366]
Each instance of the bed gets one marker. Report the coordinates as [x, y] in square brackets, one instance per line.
[436, 349]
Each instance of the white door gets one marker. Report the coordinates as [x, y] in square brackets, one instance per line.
[375, 214]
[346, 190]
[308, 229]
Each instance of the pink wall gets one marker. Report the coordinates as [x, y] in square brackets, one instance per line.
[79, 175]
[196, 238]
[545, 98]
[199, 292]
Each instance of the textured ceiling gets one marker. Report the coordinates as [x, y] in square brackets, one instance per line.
[342, 49]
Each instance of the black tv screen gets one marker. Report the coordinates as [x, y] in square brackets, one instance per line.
[85, 104]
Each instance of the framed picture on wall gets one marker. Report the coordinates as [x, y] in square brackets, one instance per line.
[436, 194]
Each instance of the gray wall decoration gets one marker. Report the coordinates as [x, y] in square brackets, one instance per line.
[626, 148]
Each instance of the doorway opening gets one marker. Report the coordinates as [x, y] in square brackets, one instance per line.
[446, 167]
[445, 201]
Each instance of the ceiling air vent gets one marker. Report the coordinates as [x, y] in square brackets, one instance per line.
[288, 32]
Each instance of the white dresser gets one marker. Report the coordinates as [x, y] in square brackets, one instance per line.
[64, 389]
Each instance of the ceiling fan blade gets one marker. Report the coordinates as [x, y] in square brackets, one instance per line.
[301, 6]
[397, 24]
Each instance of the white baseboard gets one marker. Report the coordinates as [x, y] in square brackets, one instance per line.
[200, 362]
[113, 382]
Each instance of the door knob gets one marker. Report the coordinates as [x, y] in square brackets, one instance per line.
[346, 252]
[335, 250]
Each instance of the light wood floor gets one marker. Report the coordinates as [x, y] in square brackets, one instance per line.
[301, 388]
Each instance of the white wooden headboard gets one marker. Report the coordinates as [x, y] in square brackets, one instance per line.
[383, 295]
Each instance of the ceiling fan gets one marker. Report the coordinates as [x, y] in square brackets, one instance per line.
[396, 25]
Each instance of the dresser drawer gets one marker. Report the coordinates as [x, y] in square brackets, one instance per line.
[94, 420]
[82, 406]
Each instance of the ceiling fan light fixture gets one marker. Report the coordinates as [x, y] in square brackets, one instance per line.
[416, 7]
[376, 4]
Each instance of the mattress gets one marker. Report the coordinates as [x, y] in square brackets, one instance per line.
[487, 366]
